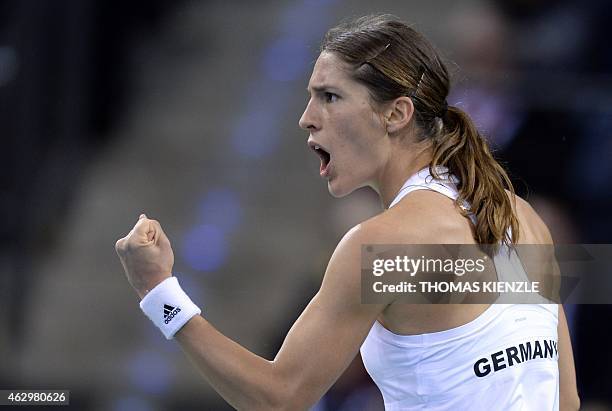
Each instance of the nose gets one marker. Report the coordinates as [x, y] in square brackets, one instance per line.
[309, 121]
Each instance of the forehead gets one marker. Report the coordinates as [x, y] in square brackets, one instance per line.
[330, 71]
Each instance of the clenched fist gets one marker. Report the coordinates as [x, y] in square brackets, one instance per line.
[146, 255]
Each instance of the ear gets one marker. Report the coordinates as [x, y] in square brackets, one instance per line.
[399, 113]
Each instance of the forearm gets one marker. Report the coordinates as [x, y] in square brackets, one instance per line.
[243, 379]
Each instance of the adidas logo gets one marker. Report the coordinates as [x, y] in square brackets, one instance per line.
[170, 312]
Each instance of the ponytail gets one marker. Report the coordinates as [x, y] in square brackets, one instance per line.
[460, 147]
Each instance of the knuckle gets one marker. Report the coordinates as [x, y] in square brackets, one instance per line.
[129, 242]
[120, 246]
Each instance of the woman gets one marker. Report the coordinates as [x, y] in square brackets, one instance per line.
[378, 117]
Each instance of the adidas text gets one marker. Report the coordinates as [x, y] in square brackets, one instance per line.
[170, 316]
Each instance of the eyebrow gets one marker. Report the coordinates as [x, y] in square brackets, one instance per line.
[321, 88]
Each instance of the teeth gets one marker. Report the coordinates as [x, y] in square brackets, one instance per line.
[317, 147]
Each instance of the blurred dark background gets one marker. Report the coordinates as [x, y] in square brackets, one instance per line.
[188, 110]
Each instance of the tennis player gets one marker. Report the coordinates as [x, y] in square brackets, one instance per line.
[378, 117]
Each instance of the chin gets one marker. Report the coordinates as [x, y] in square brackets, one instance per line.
[339, 190]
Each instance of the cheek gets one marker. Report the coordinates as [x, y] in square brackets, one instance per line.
[359, 136]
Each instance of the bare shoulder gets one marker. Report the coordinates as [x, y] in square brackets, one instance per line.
[389, 227]
[423, 217]
[533, 230]
[342, 280]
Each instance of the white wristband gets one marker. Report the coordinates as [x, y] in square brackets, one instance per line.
[168, 307]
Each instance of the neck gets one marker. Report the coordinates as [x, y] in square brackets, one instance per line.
[398, 169]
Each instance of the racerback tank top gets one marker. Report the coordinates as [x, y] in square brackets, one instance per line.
[505, 359]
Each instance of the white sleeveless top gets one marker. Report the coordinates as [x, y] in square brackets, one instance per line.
[505, 359]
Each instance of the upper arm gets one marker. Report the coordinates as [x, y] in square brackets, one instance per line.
[328, 334]
[568, 392]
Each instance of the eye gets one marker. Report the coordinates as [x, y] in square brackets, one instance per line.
[330, 97]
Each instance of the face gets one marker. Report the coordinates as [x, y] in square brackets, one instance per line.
[345, 130]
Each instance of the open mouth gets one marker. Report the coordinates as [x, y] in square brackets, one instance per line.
[324, 156]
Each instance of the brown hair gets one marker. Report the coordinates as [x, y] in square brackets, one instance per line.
[392, 59]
